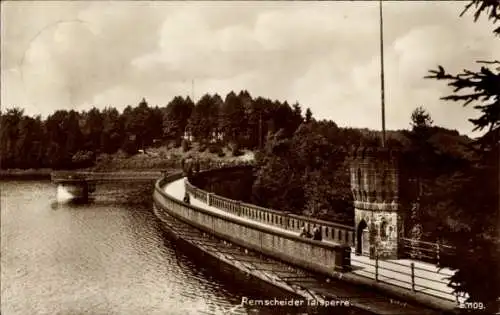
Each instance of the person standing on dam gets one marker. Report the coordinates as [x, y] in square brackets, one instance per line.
[317, 234]
[304, 232]
[186, 198]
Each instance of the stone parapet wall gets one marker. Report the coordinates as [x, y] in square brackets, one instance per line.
[313, 255]
[334, 232]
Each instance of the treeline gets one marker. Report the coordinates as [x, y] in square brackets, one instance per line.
[72, 139]
[308, 172]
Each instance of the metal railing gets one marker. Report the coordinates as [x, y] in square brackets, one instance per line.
[411, 276]
[426, 251]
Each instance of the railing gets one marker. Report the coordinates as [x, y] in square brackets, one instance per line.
[338, 233]
[197, 165]
[426, 251]
[408, 276]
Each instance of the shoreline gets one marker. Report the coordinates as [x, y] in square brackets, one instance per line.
[44, 174]
[155, 160]
[27, 174]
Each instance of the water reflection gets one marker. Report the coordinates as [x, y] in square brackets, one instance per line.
[107, 257]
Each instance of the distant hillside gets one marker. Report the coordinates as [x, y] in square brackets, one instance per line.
[165, 157]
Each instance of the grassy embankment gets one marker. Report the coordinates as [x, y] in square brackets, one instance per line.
[162, 158]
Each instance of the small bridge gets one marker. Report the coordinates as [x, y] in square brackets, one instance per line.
[104, 177]
[76, 186]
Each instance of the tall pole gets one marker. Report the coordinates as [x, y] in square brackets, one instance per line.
[382, 78]
[260, 130]
[192, 90]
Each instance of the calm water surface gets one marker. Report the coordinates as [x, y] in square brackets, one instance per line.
[104, 258]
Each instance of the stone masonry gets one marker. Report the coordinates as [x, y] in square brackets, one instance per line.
[376, 182]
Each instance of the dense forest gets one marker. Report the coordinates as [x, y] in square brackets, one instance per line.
[308, 172]
[71, 139]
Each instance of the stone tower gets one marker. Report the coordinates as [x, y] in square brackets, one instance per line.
[378, 184]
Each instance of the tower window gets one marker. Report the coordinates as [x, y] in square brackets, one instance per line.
[359, 177]
[384, 178]
[383, 228]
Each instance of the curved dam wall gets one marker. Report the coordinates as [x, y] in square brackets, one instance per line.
[321, 257]
[333, 232]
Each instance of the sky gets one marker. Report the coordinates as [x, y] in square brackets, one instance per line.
[323, 55]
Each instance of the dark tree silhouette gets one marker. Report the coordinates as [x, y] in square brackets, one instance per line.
[476, 191]
[233, 120]
[308, 115]
[420, 118]
[488, 7]
[205, 117]
[176, 117]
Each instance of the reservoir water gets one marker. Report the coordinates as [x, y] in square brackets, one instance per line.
[108, 257]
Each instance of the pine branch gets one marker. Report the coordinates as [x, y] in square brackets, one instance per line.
[488, 62]
[489, 7]
[485, 85]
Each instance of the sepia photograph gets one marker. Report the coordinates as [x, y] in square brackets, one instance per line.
[250, 157]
